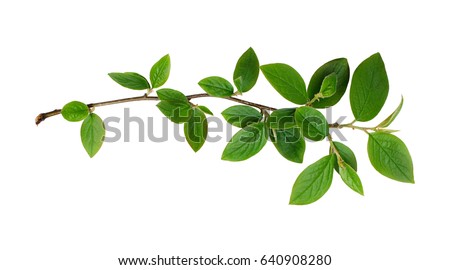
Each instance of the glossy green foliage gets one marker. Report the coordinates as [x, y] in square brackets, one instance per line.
[130, 80]
[92, 134]
[388, 121]
[246, 72]
[282, 118]
[313, 124]
[75, 111]
[289, 143]
[196, 129]
[174, 105]
[369, 88]
[246, 143]
[216, 86]
[351, 178]
[390, 157]
[241, 115]
[160, 72]
[313, 182]
[346, 154]
[342, 70]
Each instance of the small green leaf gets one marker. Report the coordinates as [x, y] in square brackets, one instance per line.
[160, 71]
[313, 124]
[216, 86]
[386, 122]
[130, 80]
[172, 96]
[196, 129]
[75, 111]
[313, 182]
[241, 115]
[289, 143]
[369, 89]
[246, 71]
[341, 69]
[390, 157]
[176, 112]
[246, 143]
[328, 87]
[346, 154]
[351, 178]
[92, 134]
[287, 81]
[282, 118]
[205, 110]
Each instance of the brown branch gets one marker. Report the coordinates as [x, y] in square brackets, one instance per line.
[41, 117]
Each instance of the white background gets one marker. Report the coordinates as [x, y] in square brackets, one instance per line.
[59, 209]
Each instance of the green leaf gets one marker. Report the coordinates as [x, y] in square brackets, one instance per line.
[390, 157]
[205, 109]
[369, 89]
[313, 182]
[196, 129]
[328, 87]
[286, 81]
[75, 111]
[386, 122]
[282, 118]
[160, 71]
[216, 86]
[246, 72]
[346, 154]
[92, 134]
[289, 143]
[241, 115]
[176, 112]
[130, 80]
[313, 124]
[246, 143]
[351, 178]
[341, 69]
[172, 96]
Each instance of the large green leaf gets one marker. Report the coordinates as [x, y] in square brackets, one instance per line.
[216, 86]
[92, 134]
[241, 115]
[351, 178]
[75, 111]
[130, 80]
[313, 182]
[369, 89]
[390, 157]
[246, 72]
[196, 129]
[246, 143]
[287, 81]
[176, 112]
[172, 96]
[160, 71]
[341, 69]
[386, 122]
[282, 118]
[289, 143]
[346, 154]
[313, 124]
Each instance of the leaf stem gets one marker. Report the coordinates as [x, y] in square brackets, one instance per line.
[42, 116]
[334, 149]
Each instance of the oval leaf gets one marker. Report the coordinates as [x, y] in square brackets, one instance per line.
[246, 72]
[289, 143]
[351, 178]
[390, 157]
[130, 80]
[176, 112]
[75, 111]
[369, 89]
[196, 129]
[205, 110]
[172, 96]
[341, 69]
[287, 81]
[388, 121]
[282, 118]
[160, 71]
[346, 154]
[216, 86]
[313, 124]
[313, 182]
[92, 134]
[246, 143]
[241, 115]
